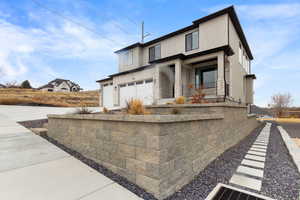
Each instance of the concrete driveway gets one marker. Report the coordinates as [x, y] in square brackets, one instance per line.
[31, 168]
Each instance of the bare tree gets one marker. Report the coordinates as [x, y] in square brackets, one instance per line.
[12, 84]
[280, 102]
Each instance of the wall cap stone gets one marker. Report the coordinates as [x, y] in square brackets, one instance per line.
[232, 105]
[140, 118]
[251, 115]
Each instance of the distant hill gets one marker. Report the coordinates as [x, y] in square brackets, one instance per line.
[18, 96]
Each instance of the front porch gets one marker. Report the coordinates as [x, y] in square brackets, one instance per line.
[180, 77]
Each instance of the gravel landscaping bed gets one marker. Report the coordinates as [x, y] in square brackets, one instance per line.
[293, 129]
[34, 123]
[281, 178]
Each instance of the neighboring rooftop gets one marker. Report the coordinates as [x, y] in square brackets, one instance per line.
[2, 86]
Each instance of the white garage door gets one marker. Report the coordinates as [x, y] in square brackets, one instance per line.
[108, 96]
[127, 92]
[142, 90]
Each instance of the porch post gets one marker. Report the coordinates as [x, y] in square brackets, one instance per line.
[156, 88]
[178, 78]
[220, 81]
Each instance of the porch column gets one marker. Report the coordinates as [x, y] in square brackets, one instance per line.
[221, 75]
[156, 88]
[178, 78]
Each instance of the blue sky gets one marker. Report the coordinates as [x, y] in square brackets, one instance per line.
[39, 45]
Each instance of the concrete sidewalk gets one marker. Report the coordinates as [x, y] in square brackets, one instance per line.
[31, 168]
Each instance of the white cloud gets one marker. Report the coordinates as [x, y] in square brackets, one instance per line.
[26, 47]
[270, 11]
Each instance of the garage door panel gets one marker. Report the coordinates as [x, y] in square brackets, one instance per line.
[148, 94]
[127, 93]
[108, 96]
[140, 90]
[145, 93]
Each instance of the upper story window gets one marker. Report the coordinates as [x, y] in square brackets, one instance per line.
[154, 53]
[192, 41]
[128, 57]
[240, 54]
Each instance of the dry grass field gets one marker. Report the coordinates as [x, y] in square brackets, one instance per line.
[284, 120]
[16, 96]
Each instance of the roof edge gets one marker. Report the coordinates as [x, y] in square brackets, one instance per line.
[104, 79]
[229, 10]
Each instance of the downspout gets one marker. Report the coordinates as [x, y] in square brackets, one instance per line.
[225, 84]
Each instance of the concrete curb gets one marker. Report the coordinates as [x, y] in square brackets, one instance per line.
[293, 149]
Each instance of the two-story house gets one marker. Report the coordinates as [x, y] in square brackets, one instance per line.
[211, 53]
[60, 85]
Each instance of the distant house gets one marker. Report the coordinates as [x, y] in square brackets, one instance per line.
[60, 85]
[2, 86]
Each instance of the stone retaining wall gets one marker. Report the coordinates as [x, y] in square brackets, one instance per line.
[160, 153]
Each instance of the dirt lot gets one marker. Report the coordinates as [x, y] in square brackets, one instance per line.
[15, 96]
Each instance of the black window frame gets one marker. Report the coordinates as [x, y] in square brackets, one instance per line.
[186, 42]
[203, 70]
[153, 47]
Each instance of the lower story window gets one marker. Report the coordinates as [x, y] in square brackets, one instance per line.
[206, 77]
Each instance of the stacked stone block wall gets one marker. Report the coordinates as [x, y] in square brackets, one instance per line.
[161, 154]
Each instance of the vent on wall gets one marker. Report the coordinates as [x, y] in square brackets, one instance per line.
[226, 192]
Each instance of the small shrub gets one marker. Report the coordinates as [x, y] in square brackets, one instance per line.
[175, 111]
[105, 110]
[180, 100]
[83, 110]
[198, 96]
[135, 107]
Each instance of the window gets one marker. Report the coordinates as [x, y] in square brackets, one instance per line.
[240, 53]
[154, 52]
[206, 77]
[192, 41]
[128, 57]
[247, 64]
[149, 81]
[139, 82]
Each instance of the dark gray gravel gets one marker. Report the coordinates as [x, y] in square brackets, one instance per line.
[34, 123]
[281, 180]
[293, 129]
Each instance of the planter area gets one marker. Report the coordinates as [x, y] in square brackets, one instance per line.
[160, 153]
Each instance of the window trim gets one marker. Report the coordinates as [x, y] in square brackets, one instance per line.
[186, 35]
